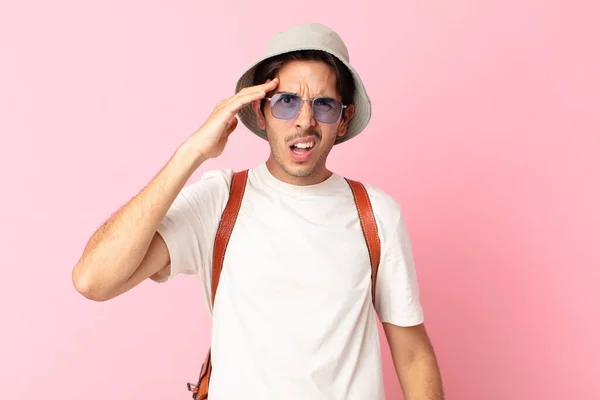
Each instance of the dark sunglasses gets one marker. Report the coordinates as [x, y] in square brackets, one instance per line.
[287, 106]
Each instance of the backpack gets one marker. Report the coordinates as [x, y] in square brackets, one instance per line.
[228, 218]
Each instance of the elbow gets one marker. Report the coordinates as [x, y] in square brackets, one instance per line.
[87, 286]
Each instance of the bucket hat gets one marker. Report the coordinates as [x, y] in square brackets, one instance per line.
[312, 36]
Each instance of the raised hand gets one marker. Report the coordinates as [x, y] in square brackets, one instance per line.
[211, 138]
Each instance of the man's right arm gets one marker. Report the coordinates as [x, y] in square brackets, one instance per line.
[126, 249]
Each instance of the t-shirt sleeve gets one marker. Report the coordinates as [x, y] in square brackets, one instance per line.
[397, 291]
[190, 225]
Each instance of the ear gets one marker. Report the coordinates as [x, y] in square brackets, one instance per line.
[348, 114]
[260, 118]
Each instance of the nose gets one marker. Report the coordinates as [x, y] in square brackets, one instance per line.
[305, 118]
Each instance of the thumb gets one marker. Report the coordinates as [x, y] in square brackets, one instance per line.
[231, 125]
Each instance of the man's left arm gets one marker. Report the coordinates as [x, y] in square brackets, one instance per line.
[415, 362]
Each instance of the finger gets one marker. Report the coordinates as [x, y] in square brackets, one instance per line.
[231, 125]
[246, 96]
[242, 95]
[234, 106]
[269, 84]
[265, 87]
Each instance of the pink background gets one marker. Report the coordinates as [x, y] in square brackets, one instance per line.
[486, 127]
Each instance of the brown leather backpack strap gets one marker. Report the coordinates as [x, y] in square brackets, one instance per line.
[200, 392]
[228, 218]
[369, 228]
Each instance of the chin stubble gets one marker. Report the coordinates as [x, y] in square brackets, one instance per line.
[302, 173]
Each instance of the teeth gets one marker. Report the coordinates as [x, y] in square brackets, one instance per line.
[304, 145]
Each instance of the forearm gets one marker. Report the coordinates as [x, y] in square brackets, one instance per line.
[118, 247]
[415, 362]
[421, 379]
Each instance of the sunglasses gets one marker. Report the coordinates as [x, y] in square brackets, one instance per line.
[287, 106]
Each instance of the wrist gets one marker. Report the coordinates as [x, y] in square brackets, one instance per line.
[188, 156]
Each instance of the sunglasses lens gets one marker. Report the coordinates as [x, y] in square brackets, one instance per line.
[287, 106]
[327, 110]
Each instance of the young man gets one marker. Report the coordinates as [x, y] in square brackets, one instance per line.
[294, 316]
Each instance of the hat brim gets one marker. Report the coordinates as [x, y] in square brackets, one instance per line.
[362, 103]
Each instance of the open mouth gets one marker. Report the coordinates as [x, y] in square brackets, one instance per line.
[302, 148]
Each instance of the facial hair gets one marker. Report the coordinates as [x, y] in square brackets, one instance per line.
[276, 148]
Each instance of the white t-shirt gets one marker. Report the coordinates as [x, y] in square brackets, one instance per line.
[293, 316]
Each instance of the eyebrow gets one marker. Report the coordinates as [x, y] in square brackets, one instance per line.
[284, 92]
[320, 94]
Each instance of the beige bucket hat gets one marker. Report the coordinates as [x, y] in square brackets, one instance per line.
[313, 36]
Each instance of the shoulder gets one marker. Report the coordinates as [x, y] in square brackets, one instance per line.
[213, 182]
[209, 194]
[388, 214]
[385, 206]
[390, 220]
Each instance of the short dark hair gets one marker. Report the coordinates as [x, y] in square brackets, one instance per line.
[344, 84]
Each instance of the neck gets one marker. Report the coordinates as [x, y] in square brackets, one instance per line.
[318, 175]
